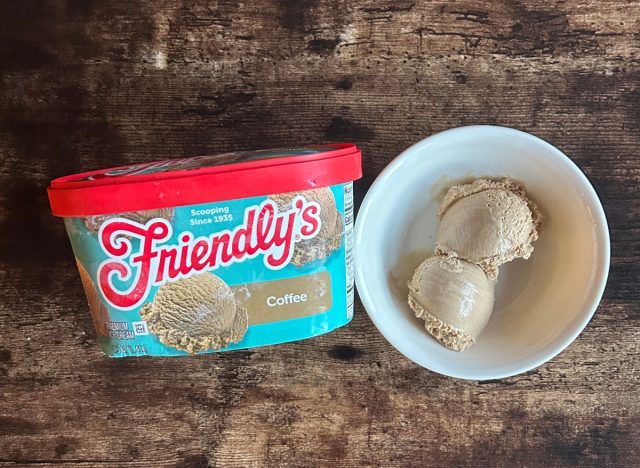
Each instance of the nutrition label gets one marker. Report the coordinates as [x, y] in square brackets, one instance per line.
[348, 241]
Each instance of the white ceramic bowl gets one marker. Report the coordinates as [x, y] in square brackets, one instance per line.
[542, 304]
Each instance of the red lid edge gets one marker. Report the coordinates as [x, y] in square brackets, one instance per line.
[226, 182]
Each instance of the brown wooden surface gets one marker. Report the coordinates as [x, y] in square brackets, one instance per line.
[87, 84]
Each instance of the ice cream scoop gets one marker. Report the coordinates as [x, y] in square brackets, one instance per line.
[330, 236]
[454, 298]
[195, 314]
[487, 223]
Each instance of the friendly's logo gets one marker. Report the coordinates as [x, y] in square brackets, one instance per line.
[265, 231]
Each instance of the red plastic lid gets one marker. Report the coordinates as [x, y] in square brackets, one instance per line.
[204, 179]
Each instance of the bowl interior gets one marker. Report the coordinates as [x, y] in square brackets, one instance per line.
[542, 303]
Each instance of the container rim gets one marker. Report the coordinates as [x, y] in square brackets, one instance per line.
[98, 192]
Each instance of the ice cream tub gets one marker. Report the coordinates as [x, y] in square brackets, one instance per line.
[214, 253]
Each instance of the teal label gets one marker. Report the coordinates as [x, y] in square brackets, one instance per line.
[218, 276]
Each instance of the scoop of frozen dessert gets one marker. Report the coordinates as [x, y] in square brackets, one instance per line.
[488, 223]
[454, 298]
[195, 314]
[93, 223]
[329, 238]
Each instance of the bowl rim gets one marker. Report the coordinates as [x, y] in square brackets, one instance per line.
[603, 252]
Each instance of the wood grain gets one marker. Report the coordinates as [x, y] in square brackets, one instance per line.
[88, 84]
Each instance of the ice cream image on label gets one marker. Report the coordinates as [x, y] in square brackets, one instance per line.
[99, 312]
[330, 236]
[93, 223]
[196, 314]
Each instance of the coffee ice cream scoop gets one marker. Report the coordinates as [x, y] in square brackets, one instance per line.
[454, 298]
[195, 314]
[487, 223]
[329, 238]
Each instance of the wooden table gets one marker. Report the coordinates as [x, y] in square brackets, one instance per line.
[88, 84]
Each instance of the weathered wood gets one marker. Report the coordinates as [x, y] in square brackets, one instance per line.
[88, 84]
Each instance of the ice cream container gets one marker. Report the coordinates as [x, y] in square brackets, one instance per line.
[214, 253]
